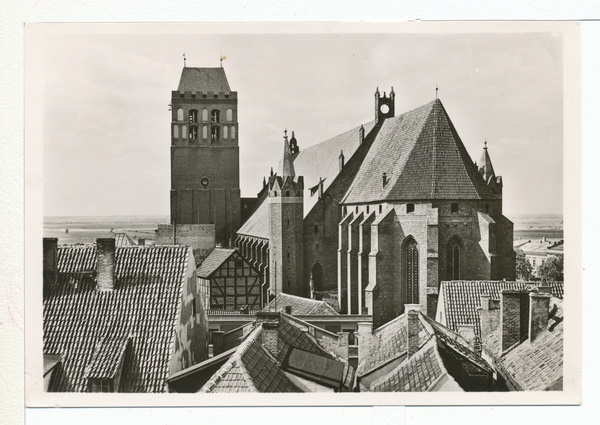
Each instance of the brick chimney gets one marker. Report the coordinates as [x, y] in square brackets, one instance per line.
[106, 263]
[514, 317]
[50, 261]
[412, 328]
[269, 320]
[539, 304]
[490, 315]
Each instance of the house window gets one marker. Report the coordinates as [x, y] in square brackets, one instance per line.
[533, 262]
[180, 114]
[205, 114]
[214, 115]
[454, 207]
[105, 386]
[193, 115]
[411, 273]
[316, 228]
[380, 209]
[410, 208]
[453, 259]
[229, 115]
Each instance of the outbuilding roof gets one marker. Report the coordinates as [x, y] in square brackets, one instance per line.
[90, 328]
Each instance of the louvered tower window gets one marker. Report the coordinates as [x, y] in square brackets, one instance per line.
[411, 276]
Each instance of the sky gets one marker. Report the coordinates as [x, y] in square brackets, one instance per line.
[107, 89]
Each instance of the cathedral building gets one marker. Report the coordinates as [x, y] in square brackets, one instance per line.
[380, 215]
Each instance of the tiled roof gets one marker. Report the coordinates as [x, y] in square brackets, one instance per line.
[291, 336]
[250, 369]
[423, 158]
[300, 306]
[144, 302]
[461, 298]
[203, 79]
[314, 163]
[385, 344]
[107, 358]
[417, 374]
[214, 260]
[535, 365]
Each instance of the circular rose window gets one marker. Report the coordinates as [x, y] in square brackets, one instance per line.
[204, 181]
[384, 109]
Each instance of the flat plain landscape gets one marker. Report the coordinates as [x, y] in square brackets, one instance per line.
[72, 230]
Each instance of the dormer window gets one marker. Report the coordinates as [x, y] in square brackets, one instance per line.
[454, 207]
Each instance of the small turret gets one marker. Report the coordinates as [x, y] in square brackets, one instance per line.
[287, 169]
[384, 105]
[294, 148]
[485, 165]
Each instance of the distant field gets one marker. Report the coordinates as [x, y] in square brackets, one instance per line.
[528, 226]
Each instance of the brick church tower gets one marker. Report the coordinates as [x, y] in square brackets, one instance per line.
[205, 187]
[286, 218]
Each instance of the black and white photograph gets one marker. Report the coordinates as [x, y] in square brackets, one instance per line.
[376, 211]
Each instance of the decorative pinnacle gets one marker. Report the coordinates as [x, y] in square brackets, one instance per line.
[184, 59]
[436, 90]
[285, 134]
[485, 144]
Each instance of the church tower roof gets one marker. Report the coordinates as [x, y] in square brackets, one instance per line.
[423, 158]
[485, 164]
[288, 160]
[203, 79]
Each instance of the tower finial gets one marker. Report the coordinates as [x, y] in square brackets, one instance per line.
[436, 90]
[485, 144]
[221, 59]
[285, 134]
[184, 60]
[288, 160]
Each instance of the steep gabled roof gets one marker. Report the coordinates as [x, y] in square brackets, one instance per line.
[300, 306]
[85, 325]
[214, 260]
[461, 298]
[203, 79]
[423, 158]
[316, 163]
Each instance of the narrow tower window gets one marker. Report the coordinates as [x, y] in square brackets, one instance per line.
[205, 114]
[180, 114]
[176, 132]
[232, 132]
[214, 133]
[204, 132]
[225, 132]
[229, 115]
[183, 131]
[453, 259]
[193, 133]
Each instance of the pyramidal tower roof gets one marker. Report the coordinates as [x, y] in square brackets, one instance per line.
[485, 164]
[288, 160]
[422, 157]
[203, 79]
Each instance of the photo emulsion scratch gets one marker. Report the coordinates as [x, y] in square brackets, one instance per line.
[382, 214]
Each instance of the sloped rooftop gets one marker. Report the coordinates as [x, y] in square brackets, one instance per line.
[461, 298]
[214, 260]
[423, 158]
[300, 306]
[82, 324]
[203, 79]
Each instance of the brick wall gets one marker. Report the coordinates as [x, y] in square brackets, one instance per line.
[199, 237]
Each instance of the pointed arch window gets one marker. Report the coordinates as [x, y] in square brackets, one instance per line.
[184, 132]
[205, 132]
[214, 115]
[453, 259]
[176, 132]
[193, 115]
[410, 255]
[214, 133]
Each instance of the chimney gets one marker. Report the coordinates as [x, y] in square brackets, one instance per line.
[50, 261]
[539, 304]
[217, 342]
[342, 345]
[342, 160]
[270, 330]
[412, 328]
[489, 314]
[513, 317]
[543, 289]
[361, 134]
[105, 268]
[468, 333]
